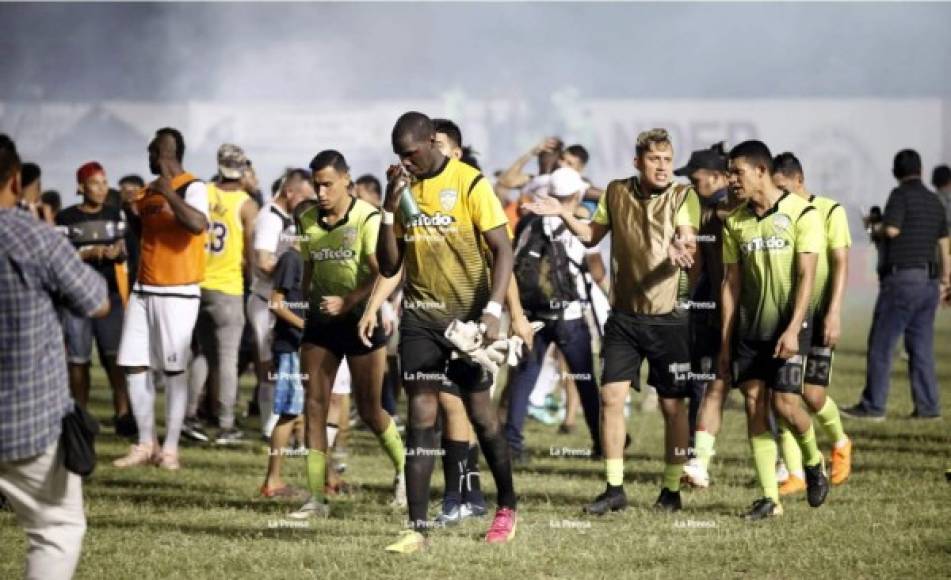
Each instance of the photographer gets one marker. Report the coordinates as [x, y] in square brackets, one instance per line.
[39, 271]
[912, 228]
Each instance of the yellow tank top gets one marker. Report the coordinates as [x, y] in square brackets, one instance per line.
[225, 247]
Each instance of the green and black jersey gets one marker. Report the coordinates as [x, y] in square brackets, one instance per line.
[836, 227]
[338, 254]
[765, 247]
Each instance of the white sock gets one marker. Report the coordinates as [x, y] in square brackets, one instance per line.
[142, 398]
[197, 375]
[266, 406]
[842, 443]
[331, 434]
[176, 399]
[547, 379]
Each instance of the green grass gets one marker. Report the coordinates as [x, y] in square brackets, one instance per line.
[892, 519]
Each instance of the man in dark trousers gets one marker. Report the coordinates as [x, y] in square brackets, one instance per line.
[913, 282]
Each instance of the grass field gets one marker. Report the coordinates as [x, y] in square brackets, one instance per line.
[892, 519]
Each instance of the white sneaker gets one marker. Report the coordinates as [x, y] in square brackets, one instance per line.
[695, 474]
[399, 491]
[314, 508]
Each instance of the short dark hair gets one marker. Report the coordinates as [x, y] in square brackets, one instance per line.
[414, 124]
[370, 182]
[907, 164]
[179, 141]
[449, 129]
[755, 152]
[9, 159]
[647, 139]
[132, 179]
[788, 165]
[941, 176]
[51, 198]
[329, 158]
[29, 173]
[578, 151]
[469, 157]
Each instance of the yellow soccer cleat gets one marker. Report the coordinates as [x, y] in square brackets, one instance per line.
[410, 542]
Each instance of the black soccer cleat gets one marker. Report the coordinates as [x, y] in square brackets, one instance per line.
[668, 501]
[762, 509]
[612, 500]
[817, 485]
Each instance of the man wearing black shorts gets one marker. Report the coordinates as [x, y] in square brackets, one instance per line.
[653, 223]
[97, 231]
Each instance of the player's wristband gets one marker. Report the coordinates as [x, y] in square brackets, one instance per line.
[387, 218]
[493, 308]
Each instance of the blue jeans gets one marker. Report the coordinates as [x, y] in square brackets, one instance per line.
[574, 341]
[907, 303]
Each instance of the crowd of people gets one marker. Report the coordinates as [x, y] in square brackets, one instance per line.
[451, 288]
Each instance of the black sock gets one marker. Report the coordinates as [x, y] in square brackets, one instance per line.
[472, 489]
[454, 469]
[496, 451]
[615, 489]
[421, 450]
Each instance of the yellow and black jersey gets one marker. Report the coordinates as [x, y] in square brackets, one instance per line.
[447, 274]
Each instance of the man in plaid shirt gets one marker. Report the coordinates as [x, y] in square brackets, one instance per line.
[39, 272]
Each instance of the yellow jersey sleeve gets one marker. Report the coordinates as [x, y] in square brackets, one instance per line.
[837, 229]
[689, 212]
[601, 215]
[485, 208]
[369, 234]
[731, 247]
[810, 235]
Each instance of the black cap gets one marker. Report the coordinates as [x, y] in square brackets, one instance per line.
[703, 159]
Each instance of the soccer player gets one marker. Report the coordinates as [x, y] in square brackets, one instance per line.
[164, 303]
[273, 234]
[707, 171]
[221, 313]
[97, 231]
[770, 247]
[462, 496]
[440, 248]
[653, 223]
[828, 294]
[339, 245]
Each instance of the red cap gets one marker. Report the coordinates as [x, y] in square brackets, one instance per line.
[87, 171]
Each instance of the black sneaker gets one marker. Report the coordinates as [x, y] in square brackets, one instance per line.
[126, 426]
[860, 412]
[917, 416]
[817, 485]
[193, 429]
[613, 499]
[763, 508]
[229, 436]
[669, 501]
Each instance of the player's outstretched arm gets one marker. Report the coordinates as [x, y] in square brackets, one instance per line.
[590, 233]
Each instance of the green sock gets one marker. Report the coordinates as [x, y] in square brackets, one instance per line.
[672, 472]
[828, 418]
[614, 469]
[791, 453]
[807, 443]
[764, 459]
[703, 447]
[316, 472]
[393, 445]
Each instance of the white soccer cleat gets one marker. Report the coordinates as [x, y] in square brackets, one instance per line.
[314, 508]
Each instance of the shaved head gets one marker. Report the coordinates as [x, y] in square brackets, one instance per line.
[414, 126]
